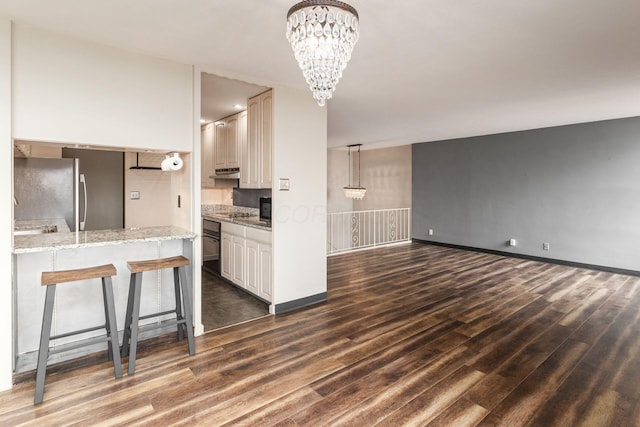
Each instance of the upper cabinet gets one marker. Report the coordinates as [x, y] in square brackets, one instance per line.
[207, 137]
[256, 155]
[228, 139]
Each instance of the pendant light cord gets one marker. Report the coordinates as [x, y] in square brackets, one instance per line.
[358, 166]
[349, 166]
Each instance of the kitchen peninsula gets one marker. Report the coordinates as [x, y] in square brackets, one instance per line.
[78, 305]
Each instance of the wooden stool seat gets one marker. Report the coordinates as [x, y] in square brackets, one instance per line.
[157, 264]
[55, 277]
[182, 291]
[51, 279]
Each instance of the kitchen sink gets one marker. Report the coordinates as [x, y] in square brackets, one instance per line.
[37, 230]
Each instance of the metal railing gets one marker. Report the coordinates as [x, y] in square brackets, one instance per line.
[348, 231]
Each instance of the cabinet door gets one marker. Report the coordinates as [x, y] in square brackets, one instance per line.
[206, 136]
[249, 175]
[244, 150]
[220, 145]
[266, 106]
[252, 261]
[226, 256]
[266, 288]
[233, 142]
[238, 261]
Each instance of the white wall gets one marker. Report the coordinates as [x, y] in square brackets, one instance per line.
[337, 179]
[299, 223]
[74, 91]
[154, 206]
[6, 214]
[386, 174]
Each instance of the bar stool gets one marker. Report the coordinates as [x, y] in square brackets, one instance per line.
[50, 280]
[183, 321]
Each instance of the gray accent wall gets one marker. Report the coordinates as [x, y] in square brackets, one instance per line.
[574, 187]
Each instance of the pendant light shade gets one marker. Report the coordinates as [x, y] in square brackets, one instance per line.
[350, 191]
[322, 34]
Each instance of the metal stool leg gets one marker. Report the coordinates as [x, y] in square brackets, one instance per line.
[186, 295]
[107, 326]
[127, 318]
[179, 316]
[135, 314]
[43, 352]
[112, 330]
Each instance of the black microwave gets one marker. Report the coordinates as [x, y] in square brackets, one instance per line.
[265, 208]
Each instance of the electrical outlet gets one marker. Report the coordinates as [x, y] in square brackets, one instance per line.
[545, 246]
[135, 195]
[512, 242]
[431, 232]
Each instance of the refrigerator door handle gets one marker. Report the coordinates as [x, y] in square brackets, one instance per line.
[84, 187]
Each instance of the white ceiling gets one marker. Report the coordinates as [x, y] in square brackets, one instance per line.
[220, 96]
[422, 70]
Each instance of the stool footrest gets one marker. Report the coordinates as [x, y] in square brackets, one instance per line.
[159, 325]
[84, 343]
[70, 334]
[149, 316]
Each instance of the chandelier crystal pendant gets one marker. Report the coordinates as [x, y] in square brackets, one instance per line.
[354, 192]
[322, 34]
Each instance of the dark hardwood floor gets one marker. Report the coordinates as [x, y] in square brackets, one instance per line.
[411, 335]
[224, 304]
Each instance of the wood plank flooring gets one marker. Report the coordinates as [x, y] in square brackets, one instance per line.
[411, 335]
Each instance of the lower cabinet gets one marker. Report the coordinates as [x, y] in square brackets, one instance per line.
[226, 247]
[246, 259]
[238, 260]
[265, 288]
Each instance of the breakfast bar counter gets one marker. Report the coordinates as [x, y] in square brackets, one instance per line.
[84, 239]
[80, 303]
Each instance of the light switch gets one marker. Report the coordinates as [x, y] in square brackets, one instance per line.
[135, 195]
[283, 184]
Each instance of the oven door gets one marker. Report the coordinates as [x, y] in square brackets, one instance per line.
[211, 252]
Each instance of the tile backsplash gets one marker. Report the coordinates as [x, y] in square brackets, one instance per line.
[249, 197]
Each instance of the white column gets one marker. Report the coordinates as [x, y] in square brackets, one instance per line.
[6, 214]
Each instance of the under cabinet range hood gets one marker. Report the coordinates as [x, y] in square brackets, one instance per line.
[228, 173]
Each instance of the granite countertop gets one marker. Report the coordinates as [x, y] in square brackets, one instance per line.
[235, 214]
[81, 239]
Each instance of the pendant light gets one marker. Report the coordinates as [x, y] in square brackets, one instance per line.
[354, 192]
[322, 34]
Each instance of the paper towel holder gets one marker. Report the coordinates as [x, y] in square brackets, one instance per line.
[172, 163]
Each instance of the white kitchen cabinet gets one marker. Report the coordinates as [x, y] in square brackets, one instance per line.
[246, 259]
[206, 140]
[226, 253]
[220, 145]
[233, 142]
[265, 283]
[228, 140]
[252, 260]
[237, 260]
[266, 134]
[256, 170]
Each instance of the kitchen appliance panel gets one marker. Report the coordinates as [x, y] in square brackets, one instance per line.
[45, 189]
[211, 246]
[265, 208]
[102, 176]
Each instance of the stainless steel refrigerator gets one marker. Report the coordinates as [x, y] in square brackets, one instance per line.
[86, 190]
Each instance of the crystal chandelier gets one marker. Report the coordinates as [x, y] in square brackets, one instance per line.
[322, 34]
[354, 192]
